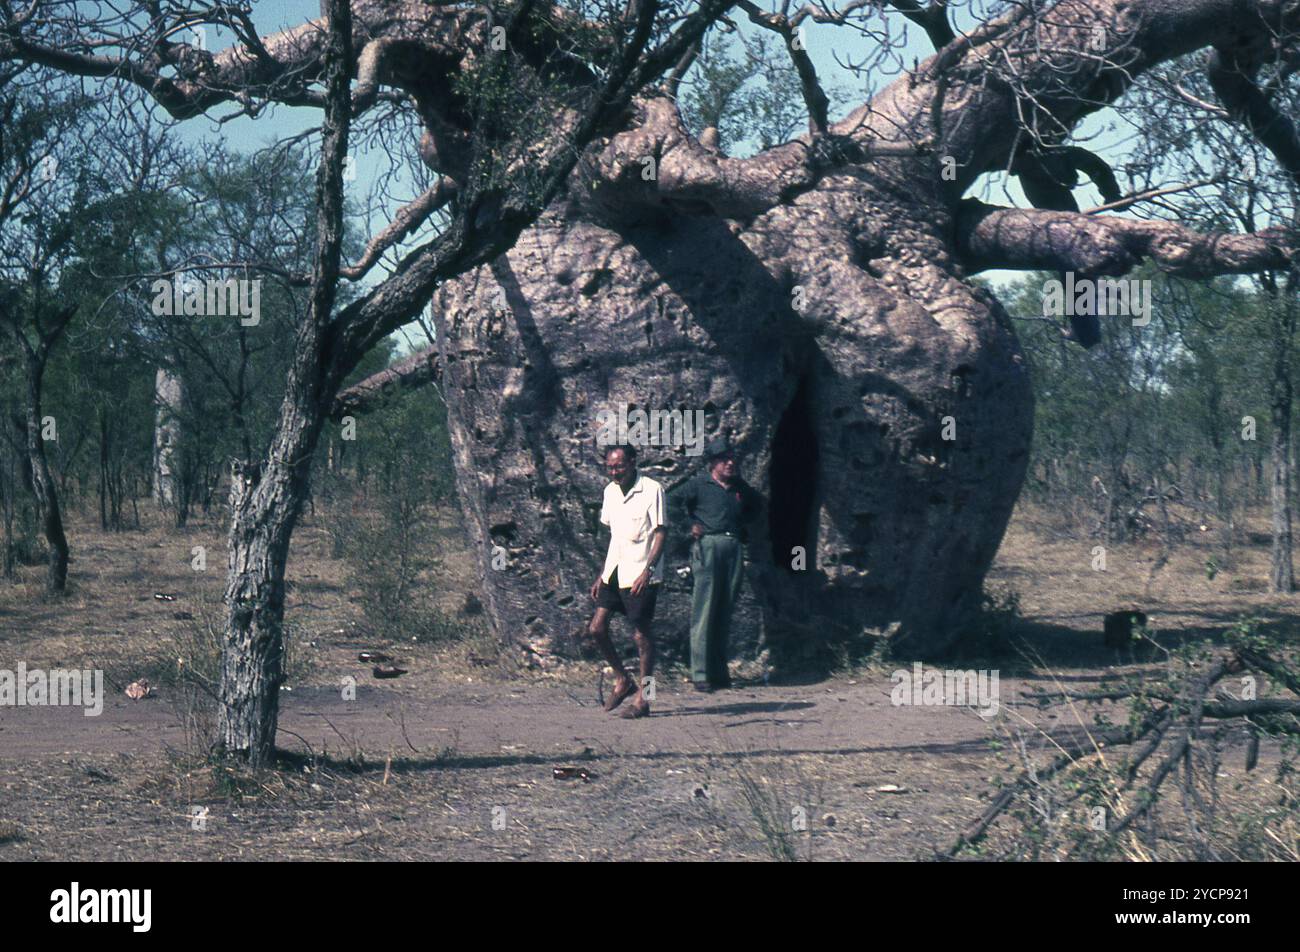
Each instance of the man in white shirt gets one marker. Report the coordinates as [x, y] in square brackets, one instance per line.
[635, 511]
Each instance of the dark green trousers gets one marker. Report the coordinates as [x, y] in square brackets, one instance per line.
[718, 567]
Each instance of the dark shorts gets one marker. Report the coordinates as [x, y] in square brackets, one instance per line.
[639, 609]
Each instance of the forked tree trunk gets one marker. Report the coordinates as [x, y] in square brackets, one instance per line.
[34, 353]
[267, 499]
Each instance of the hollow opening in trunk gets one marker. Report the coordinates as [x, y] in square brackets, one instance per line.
[794, 483]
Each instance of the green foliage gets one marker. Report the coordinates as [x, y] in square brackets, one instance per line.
[1151, 410]
[511, 92]
[228, 207]
[749, 91]
[384, 516]
[71, 220]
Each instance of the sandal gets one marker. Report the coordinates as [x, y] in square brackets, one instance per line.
[617, 697]
[635, 711]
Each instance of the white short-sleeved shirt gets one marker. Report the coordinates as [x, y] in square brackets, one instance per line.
[632, 520]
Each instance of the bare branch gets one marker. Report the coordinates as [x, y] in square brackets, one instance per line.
[408, 219]
[400, 379]
[933, 19]
[673, 84]
[1131, 200]
[814, 96]
[992, 237]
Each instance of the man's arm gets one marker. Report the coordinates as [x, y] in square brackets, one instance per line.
[658, 514]
[687, 502]
[689, 499]
[656, 549]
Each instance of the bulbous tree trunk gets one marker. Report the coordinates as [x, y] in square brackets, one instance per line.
[831, 339]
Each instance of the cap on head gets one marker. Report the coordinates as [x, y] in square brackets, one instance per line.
[717, 447]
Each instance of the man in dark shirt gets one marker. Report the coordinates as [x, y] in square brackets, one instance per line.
[718, 504]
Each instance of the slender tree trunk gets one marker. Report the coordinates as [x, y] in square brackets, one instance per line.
[1283, 315]
[241, 385]
[1281, 576]
[1214, 432]
[103, 468]
[266, 506]
[1281, 573]
[168, 396]
[8, 492]
[1220, 485]
[47, 499]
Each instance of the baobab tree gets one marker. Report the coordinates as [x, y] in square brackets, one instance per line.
[813, 300]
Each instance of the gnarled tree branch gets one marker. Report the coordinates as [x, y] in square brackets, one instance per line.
[401, 378]
[408, 218]
[1026, 239]
[932, 18]
[658, 165]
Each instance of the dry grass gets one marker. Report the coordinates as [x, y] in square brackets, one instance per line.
[448, 802]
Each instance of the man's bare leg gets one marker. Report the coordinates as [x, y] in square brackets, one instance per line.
[598, 629]
[645, 648]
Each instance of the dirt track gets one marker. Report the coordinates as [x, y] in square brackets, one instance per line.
[672, 784]
[538, 720]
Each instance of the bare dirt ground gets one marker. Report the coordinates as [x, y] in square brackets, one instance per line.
[455, 759]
